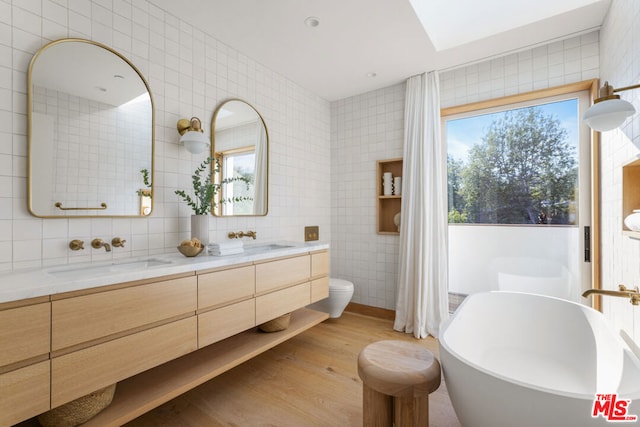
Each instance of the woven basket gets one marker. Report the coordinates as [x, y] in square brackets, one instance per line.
[78, 411]
[278, 324]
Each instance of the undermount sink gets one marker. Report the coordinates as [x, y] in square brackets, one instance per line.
[266, 247]
[113, 267]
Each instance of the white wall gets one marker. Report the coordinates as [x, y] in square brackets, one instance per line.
[620, 65]
[364, 129]
[517, 258]
[369, 127]
[189, 73]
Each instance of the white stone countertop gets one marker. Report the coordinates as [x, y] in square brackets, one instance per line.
[30, 283]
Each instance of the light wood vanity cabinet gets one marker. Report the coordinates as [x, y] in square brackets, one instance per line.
[85, 318]
[24, 360]
[320, 275]
[82, 372]
[282, 286]
[272, 275]
[144, 335]
[233, 300]
[226, 304]
[24, 333]
[274, 304]
[224, 286]
[105, 336]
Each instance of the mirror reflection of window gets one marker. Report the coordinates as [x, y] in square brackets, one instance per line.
[235, 164]
[241, 144]
[145, 201]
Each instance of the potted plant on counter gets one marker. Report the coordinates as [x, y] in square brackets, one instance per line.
[205, 192]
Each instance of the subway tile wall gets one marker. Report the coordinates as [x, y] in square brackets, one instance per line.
[190, 73]
[555, 64]
[369, 127]
[620, 59]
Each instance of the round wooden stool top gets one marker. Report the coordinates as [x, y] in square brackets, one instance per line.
[399, 368]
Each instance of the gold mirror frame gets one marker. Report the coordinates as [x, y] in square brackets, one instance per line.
[242, 147]
[75, 211]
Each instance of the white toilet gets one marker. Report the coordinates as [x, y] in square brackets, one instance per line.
[340, 293]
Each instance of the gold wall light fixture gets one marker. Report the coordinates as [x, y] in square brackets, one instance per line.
[608, 110]
[192, 135]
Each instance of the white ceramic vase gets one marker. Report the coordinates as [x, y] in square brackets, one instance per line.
[633, 221]
[387, 184]
[200, 228]
[397, 185]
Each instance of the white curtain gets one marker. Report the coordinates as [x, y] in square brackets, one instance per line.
[423, 300]
[260, 184]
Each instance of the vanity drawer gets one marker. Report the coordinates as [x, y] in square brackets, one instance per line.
[283, 272]
[82, 372]
[319, 289]
[24, 333]
[85, 318]
[24, 393]
[320, 264]
[281, 302]
[225, 286]
[224, 322]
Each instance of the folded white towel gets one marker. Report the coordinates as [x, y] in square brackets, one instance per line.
[231, 244]
[224, 252]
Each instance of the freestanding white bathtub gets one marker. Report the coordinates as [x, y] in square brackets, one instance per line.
[517, 359]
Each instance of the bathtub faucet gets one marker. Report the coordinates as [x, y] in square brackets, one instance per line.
[624, 292]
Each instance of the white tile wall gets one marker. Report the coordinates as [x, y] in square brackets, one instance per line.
[369, 127]
[620, 65]
[364, 129]
[562, 62]
[86, 172]
[190, 73]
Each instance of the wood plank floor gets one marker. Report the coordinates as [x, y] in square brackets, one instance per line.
[310, 380]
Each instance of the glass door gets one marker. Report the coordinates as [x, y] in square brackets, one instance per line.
[519, 198]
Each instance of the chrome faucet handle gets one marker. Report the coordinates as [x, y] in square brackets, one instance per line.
[118, 242]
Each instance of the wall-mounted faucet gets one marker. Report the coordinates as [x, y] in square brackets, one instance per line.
[240, 234]
[624, 292]
[99, 243]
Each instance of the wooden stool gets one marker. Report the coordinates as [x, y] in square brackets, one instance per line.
[397, 378]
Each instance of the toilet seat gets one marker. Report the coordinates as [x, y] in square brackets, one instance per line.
[340, 285]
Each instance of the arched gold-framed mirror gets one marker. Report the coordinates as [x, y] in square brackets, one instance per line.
[240, 143]
[90, 133]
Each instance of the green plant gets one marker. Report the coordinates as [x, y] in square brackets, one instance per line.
[147, 183]
[205, 189]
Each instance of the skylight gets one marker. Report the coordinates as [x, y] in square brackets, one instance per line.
[451, 23]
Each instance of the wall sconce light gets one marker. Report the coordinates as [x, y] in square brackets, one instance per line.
[609, 111]
[193, 137]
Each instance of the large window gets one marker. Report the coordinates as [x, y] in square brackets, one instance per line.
[516, 166]
[519, 194]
